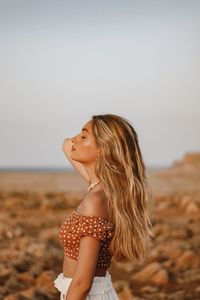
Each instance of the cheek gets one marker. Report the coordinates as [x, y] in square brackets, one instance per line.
[87, 149]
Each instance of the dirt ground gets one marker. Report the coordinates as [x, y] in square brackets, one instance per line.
[33, 206]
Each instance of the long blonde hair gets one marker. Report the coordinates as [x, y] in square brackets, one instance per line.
[124, 180]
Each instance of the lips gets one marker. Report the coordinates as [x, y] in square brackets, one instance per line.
[73, 148]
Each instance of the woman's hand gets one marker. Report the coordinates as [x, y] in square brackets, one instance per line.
[67, 146]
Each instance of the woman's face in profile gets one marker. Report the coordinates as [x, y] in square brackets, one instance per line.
[84, 148]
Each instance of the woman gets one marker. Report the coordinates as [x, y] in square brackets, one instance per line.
[112, 220]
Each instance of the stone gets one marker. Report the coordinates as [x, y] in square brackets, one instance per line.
[161, 277]
[187, 260]
[21, 264]
[36, 250]
[11, 297]
[4, 273]
[185, 201]
[127, 266]
[120, 284]
[192, 208]
[167, 264]
[197, 290]
[149, 289]
[26, 278]
[154, 273]
[126, 294]
[28, 293]
[45, 281]
[147, 272]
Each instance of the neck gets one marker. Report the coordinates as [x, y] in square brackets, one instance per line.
[91, 174]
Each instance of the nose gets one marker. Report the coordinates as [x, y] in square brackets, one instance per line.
[74, 139]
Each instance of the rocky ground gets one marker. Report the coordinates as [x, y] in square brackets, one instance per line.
[31, 254]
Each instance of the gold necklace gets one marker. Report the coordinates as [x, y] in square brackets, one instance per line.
[93, 184]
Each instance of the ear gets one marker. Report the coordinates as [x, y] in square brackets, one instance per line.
[99, 151]
[98, 154]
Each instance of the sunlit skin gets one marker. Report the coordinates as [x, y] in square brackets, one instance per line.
[85, 151]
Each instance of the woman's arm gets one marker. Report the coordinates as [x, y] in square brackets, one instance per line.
[66, 146]
[86, 265]
[89, 248]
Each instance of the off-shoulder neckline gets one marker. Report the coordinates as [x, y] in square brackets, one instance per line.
[89, 216]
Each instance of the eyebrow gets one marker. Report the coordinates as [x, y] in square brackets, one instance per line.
[85, 129]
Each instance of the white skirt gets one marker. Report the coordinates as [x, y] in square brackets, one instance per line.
[101, 289]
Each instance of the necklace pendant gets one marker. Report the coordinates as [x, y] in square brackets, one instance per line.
[92, 185]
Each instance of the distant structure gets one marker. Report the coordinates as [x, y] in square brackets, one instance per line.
[190, 159]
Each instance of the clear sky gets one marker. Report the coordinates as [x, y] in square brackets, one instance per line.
[63, 61]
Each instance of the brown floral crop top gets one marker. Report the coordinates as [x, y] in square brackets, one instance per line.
[77, 226]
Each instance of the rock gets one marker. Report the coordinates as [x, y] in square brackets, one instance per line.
[48, 233]
[189, 159]
[22, 243]
[45, 282]
[154, 273]
[162, 296]
[21, 264]
[4, 273]
[35, 270]
[43, 294]
[161, 277]
[28, 293]
[147, 272]
[197, 290]
[14, 285]
[18, 232]
[187, 260]
[11, 297]
[9, 234]
[148, 289]
[6, 255]
[162, 206]
[178, 295]
[187, 276]
[127, 266]
[192, 208]
[153, 255]
[165, 251]
[36, 250]
[172, 251]
[126, 294]
[185, 201]
[167, 264]
[25, 278]
[120, 284]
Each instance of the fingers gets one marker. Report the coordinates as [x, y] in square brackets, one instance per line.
[67, 144]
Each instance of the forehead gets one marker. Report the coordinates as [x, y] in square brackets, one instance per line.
[87, 127]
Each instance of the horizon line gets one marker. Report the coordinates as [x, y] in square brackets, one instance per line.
[60, 169]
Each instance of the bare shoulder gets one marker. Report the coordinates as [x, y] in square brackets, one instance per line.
[95, 204]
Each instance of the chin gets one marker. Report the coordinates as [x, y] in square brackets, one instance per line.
[74, 157]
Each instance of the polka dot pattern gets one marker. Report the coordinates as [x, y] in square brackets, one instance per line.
[77, 226]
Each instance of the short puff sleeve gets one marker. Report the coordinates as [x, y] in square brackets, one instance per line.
[97, 227]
